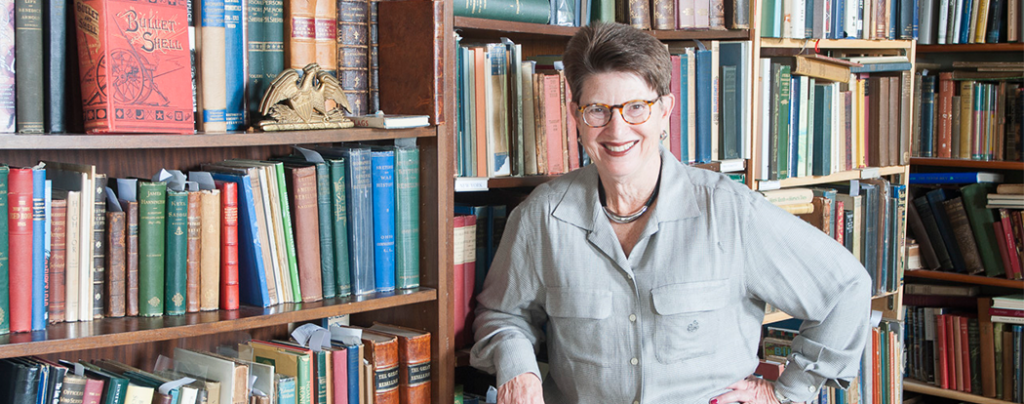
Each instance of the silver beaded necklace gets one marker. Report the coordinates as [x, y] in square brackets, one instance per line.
[627, 218]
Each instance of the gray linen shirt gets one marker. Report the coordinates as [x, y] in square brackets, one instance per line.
[679, 319]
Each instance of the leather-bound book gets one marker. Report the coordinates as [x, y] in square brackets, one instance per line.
[152, 224]
[302, 184]
[209, 249]
[737, 14]
[963, 235]
[300, 33]
[228, 245]
[326, 39]
[636, 13]
[411, 45]
[192, 251]
[99, 260]
[175, 253]
[58, 254]
[132, 258]
[413, 362]
[382, 353]
[117, 257]
[28, 57]
[21, 381]
[664, 14]
[353, 53]
[20, 244]
[73, 389]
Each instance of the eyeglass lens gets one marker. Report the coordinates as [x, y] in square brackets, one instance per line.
[633, 112]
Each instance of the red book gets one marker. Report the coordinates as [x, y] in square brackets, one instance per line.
[951, 369]
[675, 120]
[1003, 253]
[229, 245]
[1011, 245]
[553, 126]
[469, 278]
[941, 374]
[965, 354]
[339, 367]
[133, 58]
[571, 134]
[840, 224]
[19, 202]
[876, 364]
[459, 272]
[944, 138]
[93, 391]
[1005, 312]
[58, 251]
[770, 370]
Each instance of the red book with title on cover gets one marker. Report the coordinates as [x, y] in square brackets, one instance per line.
[133, 58]
[19, 202]
[229, 245]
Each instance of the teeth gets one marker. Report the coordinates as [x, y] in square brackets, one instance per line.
[619, 149]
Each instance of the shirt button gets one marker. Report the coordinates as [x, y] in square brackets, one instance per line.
[630, 276]
[634, 361]
[636, 401]
[811, 389]
[632, 318]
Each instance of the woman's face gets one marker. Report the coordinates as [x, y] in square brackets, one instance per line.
[620, 149]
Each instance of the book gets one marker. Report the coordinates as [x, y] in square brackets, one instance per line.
[303, 184]
[534, 11]
[211, 240]
[192, 277]
[255, 279]
[152, 233]
[20, 242]
[39, 286]
[407, 217]
[955, 178]
[383, 121]
[175, 253]
[229, 248]
[108, 28]
[413, 362]
[116, 253]
[408, 34]
[382, 173]
[288, 361]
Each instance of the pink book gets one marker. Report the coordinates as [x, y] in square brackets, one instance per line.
[675, 120]
[701, 13]
[553, 127]
[339, 364]
[570, 133]
[684, 14]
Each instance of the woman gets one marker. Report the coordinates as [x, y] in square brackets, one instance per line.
[651, 277]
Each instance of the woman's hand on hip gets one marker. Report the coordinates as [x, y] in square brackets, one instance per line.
[752, 390]
[522, 389]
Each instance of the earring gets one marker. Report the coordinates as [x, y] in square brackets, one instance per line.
[664, 134]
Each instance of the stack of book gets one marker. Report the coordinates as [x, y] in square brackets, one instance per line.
[643, 14]
[839, 19]
[969, 21]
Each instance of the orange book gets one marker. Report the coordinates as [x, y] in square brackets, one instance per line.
[413, 362]
[481, 112]
[325, 35]
[553, 126]
[300, 29]
[540, 124]
[382, 353]
[571, 135]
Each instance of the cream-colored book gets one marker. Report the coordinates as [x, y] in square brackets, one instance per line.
[209, 251]
[72, 257]
[216, 368]
[81, 178]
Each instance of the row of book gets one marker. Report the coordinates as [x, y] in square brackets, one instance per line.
[230, 51]
[975, 112]
[820, 116]
[958, 229]
[478, 231]
[840, 19]
[866, 216]
[878, 381]
[320, 224]
[966, 343]
[379, 364]
[947, 22]
[641, 14]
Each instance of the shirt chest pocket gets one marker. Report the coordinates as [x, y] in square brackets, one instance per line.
[579, 324]
[687, 319]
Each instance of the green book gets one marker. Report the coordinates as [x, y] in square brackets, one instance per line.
[534, 11]
[28, 58]
[997, 341]
[115, 390]
[152, 219]
[407, 218]
[175, 262]
[975, 197]
[782, 105]
[289, 233]
[339, 206]
[323, 199]
[5, 323]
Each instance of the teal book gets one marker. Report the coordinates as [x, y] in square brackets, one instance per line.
[533, 11]
[5, 322]
[175, 263]
[258, 81]
[152, 224]
[407, 217]
[285, 389]
[339, 219]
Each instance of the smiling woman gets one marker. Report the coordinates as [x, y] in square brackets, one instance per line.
[647, 279]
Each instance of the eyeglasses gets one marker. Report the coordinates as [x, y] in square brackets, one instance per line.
[634, 112]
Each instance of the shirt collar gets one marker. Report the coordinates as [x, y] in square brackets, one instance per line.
[581, 206]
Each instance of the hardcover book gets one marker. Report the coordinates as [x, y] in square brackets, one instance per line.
[58, 249]
[133, 57]
[7, 77]
[413, 362]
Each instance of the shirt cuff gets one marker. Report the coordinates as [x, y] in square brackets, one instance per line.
[514, 357]
[798, 385]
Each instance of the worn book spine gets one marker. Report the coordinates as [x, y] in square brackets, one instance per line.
[323, 210]
[373, 45]
[56, 267]
[307, 231]
[382, 353]
[211, 46]
[72, 272]
[132, 259]
[38, 283]
[229, 246]
[962, 233]
[340, 226]
[175, 265]
[325, 35]
[152, 225]
[99, 260]
[209, 248]
[411, 43]
[192, 251]
[353, 55]
[300, 30]
[72, 391]
[383, 174]
[28, 57]
[5, 324]
[234, 64]
[407, 218]
[117, 270]
[359, 190]
[8, 98]
[55, 37]
[664, 14]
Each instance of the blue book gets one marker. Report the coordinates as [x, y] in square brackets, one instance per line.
[894, 13]
[838, 19]
[995, 21]
[906, 23]
[359, 190]
[252, 281]
[795, 129]
[38, 255]
[703, 99]
[935, 199]
[973, 177]
[927, 115]
[965, 23]
[47, 200]
[684, 105]
[881, 67]
[383, 173]
[285, 390]
[353, 373]
[735, 53]
[917, 17]
[822, 150]
[234, 63]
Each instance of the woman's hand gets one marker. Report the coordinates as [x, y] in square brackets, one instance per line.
[752, 390]
[522, 389]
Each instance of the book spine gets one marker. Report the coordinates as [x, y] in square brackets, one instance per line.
[55, 36]
[737, 14]
[340, 226]
[252, 281]
[289, 238]
[383, 173]
[209, 249]
[300, 30]
[211, 47]
[116, 256]
[20, 244]
[927, 115]
[99, 261]
[58, 251]
[326, 230]
[152, 225]
[28, 17]
[192, 252]
[703, 106]
[358, 188]
[407, 218]
[229, 299]
[8, 79]
[664, 14]
[73, 270]
[259, 77]
[38, 255]
[325, 33]
[132, 259]
[353, 53]
[533, 11]
[303, 186]
[234, 64]
[373, 71]
[5, 323]
[175, 255]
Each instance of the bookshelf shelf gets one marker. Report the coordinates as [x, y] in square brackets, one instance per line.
[114, 332]
[964, 278]
[919, 387]
[961, 163]
[976, 47]
[96, 142]
[477, 27]
[834, 43]
[518, 182]
[840, 176]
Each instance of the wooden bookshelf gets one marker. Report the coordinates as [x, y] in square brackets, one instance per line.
[964, 278]
[482, 27]
[962, 163]
[924, 388]
[834, 43]
[114, 332]
[702, 34]
[973, 47]
[837, 177]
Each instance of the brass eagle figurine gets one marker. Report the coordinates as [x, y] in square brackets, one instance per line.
[313, 101]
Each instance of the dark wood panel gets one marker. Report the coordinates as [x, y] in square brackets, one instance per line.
[112, 332]
[964, 278]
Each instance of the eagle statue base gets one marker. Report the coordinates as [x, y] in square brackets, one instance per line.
[312, 100]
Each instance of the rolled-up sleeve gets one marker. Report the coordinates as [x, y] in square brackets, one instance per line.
[799, 269]
[509, 313]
